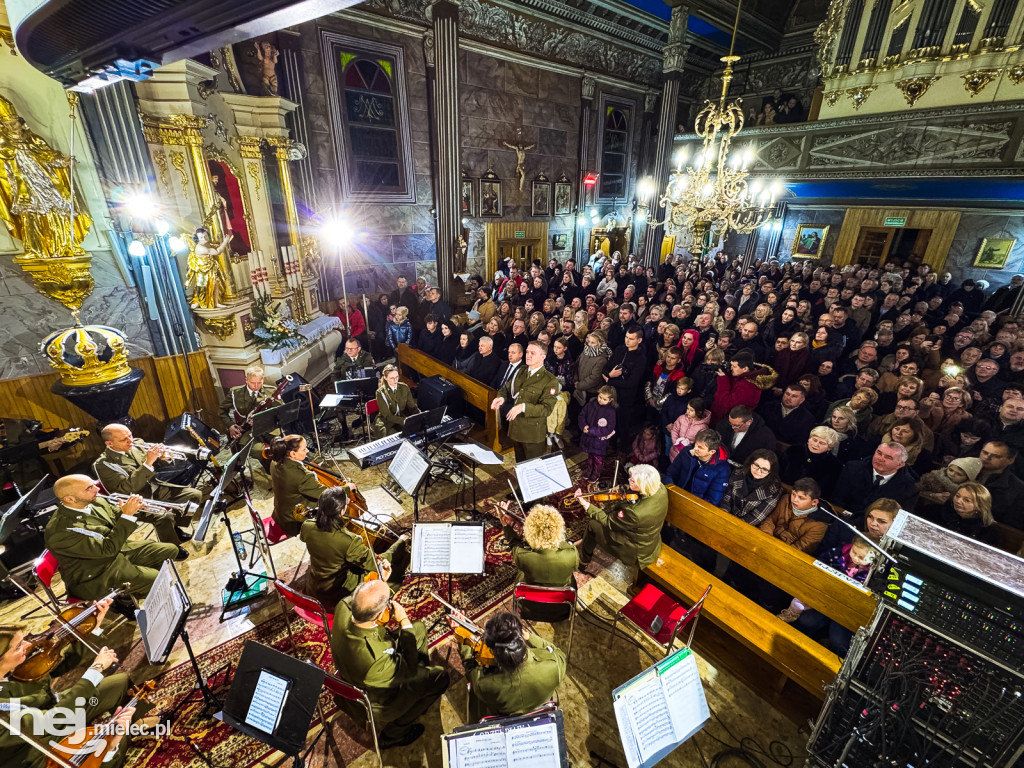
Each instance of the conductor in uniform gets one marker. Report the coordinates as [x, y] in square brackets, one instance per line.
[533, 392]
[126, 468]
[395, 673]
[89, 538]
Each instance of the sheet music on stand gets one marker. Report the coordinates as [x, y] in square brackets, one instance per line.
[479, 453]
[448, 547]
[530, 741]
[408, 467]
[543, 476]
[167, 609]
[660, 708]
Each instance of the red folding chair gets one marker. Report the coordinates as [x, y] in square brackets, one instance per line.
[308, 608]
[659, 616]
[267, 532]
[338, 687]
[45, 568]
[531, 593]
[371, 410]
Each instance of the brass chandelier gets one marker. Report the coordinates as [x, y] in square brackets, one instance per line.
[709, 195]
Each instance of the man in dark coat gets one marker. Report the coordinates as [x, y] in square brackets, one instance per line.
[626, 370]
[1004, 298]
[1006, 488]
[743, 432]
[404, 296]
[787, 417]
[885, 474]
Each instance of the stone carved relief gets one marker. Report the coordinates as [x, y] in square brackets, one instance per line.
[428, 47]
[798, 76]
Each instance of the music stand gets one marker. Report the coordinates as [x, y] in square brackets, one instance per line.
[448, 547]
[362, 387]
[273, 698]
[408, 468]
[477, 454]
[542, 476]
[265, 422]
[541, 733]
[420, 422]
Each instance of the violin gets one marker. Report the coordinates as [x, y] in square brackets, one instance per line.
[603, 496]
[47, 647]
[89, 747]
[469, 634]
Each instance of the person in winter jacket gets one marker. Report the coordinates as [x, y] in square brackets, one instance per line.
[702, 470]
[741, 386]
[754, 489]
[684, 430]
[798, 519]
[399, 331]
[597, 424]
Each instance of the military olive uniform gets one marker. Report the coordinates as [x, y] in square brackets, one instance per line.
[343, 364]
[293, 484]
[393, 405]
[395, 674]
[95, 557]
[338, 561]
[495, 692]
[101, 694]
[553, 567]
[241, 400]
[539, 392]
[631, 532]
[127, 473]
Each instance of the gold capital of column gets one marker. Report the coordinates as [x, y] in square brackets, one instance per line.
[249, 147]
[179, 130]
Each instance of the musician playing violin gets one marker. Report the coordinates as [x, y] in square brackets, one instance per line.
[98, 692]
[545, 558]
[339, 558]
[630, 532]
[293, 482]
[239, 402]
[393, 670]
[526, 672]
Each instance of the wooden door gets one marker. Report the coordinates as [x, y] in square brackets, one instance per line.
[872, 246]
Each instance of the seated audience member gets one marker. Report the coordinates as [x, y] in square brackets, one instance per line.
[965, 440]
[685, 429]
[754, 488]
[744, 432]
[449, 342]
[910, 434]
[646, 447]
[968, 512]
[787, 417]
[851, 445]
[702, 470]
[884, 474]
[487, 361]
[466, 356]
[507, 370]
[1006, 488]
[878, 518]
[430, 340]
[861, 404]
[813, 458]
[525, 673]
[937, 486]
[954, 408]
[797, 519]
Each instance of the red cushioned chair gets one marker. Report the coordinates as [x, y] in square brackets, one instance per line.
[338, 687]
[659, 616]
[371, 410]
[308, 608]
[267, 532]
[45, 568]
[531, 593]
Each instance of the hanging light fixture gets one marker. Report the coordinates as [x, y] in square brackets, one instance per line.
[708, 195]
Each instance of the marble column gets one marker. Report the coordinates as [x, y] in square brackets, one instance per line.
[444, 14]
[672, 66]
[579, 244]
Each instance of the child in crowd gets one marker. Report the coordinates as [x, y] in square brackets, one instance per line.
[853, 560]
[597, 423]
[645, 447]
[686, 427]
[937, 485]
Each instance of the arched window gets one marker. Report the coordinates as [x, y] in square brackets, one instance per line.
[370, 124]
[616, 136]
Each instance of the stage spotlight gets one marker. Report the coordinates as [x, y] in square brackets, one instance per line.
[337, 229]
[136, 248]
[162, 227]
[177, 244]
[140, 206]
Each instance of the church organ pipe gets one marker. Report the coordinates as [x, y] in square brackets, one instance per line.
[896, 42]
[1000, 17]
[448, 202]
[844, 53]
[876, 29]
[967, 26]
[934, 21]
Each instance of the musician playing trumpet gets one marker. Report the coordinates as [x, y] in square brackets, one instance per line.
[544, 559]
[125, 468]
[339, 558]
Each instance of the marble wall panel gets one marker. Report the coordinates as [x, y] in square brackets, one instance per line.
[478, 70]
[522, 79]
[556, 87]
[413, 248]
[975, 227]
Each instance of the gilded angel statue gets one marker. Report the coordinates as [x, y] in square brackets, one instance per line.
[204, 273]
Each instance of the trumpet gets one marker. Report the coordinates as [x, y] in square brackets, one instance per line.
[183, 509]
[175, 453]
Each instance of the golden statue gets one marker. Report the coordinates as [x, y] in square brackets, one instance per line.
[204, 272]
[35, 191]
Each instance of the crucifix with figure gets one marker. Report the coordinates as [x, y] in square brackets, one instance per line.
[520, 150]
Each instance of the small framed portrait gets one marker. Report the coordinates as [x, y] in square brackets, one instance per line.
[994, 252]
[490, 197]
[559, 242]
[467, 197]
[540, 197]
[810, 238]
[563, 197]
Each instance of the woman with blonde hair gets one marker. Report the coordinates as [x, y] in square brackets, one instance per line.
[580, 327]
[968, 511]
[399, 330]
[814, 458]
[542, 555]
[536, 324]
[394, 403]
[843, 419]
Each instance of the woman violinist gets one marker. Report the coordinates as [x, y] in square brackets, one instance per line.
[339, 558]
[394, 403]
[98, 693]
[293, 481]
[545, 558]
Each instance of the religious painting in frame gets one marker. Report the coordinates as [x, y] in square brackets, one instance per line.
[559, 242]
[994, 252]
[563, 196]
[810, 239]
[490, 194]
[540, 196]
[467, 196]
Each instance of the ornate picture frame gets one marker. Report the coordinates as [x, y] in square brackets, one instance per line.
[563, 196]
[540, 196]
[559, 242]
[490, 195]
[468, 197]
[809, 240]
[994, 252]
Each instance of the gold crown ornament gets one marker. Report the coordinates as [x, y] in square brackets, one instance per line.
[87, 354]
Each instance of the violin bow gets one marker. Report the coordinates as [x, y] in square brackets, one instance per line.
[458, 616]
[56, 615]
[615, 477]
[516, 497]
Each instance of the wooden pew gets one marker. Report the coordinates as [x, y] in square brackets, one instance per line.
[475, 393]
[778, 661]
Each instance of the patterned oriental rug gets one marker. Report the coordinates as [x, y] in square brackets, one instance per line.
[476, 595]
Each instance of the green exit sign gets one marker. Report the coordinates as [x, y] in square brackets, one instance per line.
[520, 235]
[895, 221]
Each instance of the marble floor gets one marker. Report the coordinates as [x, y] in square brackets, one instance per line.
[585, 695]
